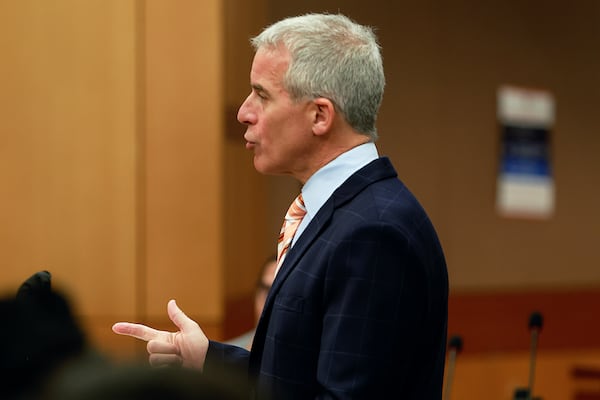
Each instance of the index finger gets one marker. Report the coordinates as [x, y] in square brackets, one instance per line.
[138, 331]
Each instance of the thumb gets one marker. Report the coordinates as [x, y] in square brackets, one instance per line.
[182, 321]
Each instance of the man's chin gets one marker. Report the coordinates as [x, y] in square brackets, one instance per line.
[260, 167]
[263, 169]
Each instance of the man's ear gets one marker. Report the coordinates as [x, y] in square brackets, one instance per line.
[324, 114]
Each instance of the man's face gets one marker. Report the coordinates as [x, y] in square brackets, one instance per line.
[279, 130]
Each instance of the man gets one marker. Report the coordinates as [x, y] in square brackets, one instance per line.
[358, 308]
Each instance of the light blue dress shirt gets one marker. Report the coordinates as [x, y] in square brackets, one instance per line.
[321, 185]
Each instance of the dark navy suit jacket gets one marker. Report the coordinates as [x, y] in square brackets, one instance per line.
[359, 307]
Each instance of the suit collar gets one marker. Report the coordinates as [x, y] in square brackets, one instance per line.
[374, 171]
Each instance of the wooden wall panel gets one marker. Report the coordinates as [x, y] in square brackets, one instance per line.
[498, 321]
[183, 157]
[68, 149]
[495, 376]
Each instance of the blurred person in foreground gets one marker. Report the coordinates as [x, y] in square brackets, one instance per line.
[40, 338]
[47, 356]
[358, 307]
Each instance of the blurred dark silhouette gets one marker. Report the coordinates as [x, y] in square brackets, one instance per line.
[39, 335]
[143, 382]
[45, 355]
[35, 287]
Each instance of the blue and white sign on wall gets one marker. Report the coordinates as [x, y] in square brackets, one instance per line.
[525, 186]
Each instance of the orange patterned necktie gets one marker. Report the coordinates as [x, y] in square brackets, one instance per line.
[294, 216]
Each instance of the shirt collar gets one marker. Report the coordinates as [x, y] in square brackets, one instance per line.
[326, 180]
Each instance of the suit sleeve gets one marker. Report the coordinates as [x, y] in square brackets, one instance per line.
[224, 360]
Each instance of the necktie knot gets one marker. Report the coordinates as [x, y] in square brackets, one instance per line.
[293, 217]
[297, 210]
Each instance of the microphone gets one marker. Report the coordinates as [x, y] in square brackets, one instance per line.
[455, 346]
[535, 326]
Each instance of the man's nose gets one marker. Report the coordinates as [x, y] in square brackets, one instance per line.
[244, 116]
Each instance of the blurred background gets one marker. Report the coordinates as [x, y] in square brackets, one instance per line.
[123, 169]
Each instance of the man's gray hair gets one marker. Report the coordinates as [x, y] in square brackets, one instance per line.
[331, 56]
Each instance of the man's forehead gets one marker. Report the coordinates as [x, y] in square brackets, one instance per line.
[268, 68]
[271, 57]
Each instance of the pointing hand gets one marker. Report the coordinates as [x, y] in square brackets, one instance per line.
[187, 347]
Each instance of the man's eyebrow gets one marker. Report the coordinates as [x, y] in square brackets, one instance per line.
[259, 88]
